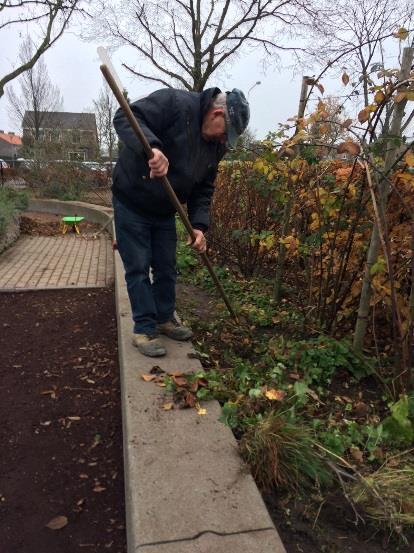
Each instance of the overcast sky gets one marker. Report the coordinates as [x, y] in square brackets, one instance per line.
[73, 66]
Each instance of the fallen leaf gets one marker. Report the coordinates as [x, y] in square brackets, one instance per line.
[201, 411]
[97, 439]
[57, 523]
[148, 377]
[50, 393]
[275, 395]
[294, 376]
[99, 489]
[46, 423]
[74, 418]
[168, 406]
[357, 455]
[179, 381]
[176, 373]
[189, 400]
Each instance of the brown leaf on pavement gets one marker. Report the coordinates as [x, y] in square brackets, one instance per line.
[148, 377]
[179, 381]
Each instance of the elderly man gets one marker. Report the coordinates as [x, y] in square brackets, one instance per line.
[188, 133]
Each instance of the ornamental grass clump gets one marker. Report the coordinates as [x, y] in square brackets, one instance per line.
[282, 454]
[387, 496]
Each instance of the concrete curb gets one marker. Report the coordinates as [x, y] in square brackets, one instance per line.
[186, 488]
[93, 213]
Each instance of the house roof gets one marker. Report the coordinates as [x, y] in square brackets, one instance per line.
[11, 138]
[61, 120]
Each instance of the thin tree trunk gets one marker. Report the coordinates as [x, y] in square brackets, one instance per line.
[288, 207]
[383, 189]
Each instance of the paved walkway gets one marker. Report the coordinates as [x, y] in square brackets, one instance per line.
[43, 262]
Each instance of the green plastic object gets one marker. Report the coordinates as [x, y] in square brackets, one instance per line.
[72, 219]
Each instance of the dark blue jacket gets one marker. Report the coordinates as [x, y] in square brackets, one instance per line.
[171, 120]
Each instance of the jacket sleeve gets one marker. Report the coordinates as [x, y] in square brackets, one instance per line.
[198, 204]
[154, 113]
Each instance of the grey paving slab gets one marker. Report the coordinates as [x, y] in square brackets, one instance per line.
[183, 473]
[69, 261]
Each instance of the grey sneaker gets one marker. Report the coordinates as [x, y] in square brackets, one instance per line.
[149, 346]
[174, 330]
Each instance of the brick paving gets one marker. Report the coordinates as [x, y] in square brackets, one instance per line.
[70, 261]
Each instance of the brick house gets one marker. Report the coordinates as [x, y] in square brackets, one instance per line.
[10, 146]
[60, 135]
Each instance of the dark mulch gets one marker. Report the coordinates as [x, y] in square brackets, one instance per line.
[61, 433]
[36, 223]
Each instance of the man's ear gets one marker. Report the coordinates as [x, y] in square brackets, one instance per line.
[218, 112]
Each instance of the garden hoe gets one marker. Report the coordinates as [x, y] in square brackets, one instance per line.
[113, 81]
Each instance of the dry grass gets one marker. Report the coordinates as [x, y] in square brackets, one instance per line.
[282, 454]
[387, 496]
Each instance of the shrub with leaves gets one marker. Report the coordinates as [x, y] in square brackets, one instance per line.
[59, 180]
[11, 202]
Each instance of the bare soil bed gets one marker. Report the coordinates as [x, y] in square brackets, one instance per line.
[36, 223]
[61, 432]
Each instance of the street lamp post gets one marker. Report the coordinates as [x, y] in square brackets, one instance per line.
[251, 88]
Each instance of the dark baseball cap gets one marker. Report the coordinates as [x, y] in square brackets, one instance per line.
[238, 115]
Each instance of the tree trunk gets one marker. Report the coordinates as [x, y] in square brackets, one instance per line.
[288, 207]
[383, 189]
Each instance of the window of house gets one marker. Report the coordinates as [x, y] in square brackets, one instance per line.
[77, 156]
[76, 137]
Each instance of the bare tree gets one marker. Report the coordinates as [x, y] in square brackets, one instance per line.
[356, 31]
[44, 20]
[187, 41]
[105, 107]
[37, 95]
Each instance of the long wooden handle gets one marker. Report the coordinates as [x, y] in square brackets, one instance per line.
[164, 180]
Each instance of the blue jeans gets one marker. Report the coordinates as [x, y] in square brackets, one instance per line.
[144, 243]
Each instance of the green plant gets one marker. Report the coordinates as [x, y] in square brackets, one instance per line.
[11, 202]
[399, 426]
[282, 454]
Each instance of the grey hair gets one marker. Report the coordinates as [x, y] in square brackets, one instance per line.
[219, 101]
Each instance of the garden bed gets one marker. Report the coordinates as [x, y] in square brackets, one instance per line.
[309, 520]
[61, 423]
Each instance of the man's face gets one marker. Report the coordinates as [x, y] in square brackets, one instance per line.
[214, 128]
